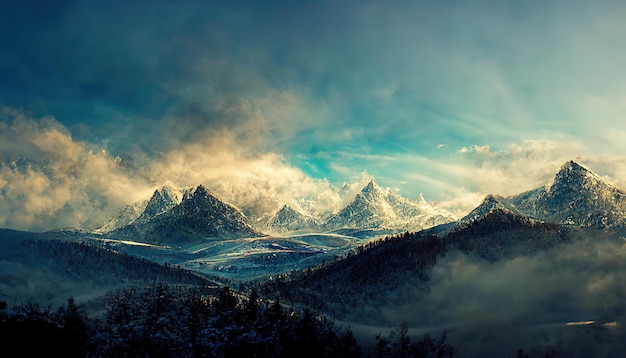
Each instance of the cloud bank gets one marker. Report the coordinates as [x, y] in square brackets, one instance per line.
[494, 308]
[50, 180]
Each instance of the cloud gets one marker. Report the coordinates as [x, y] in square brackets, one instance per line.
[475, 148]
[48, 180]
[493, 308]
[476, 171]
[336, 89]
[258, 183]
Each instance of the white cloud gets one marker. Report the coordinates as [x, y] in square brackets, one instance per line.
[48, 180]
[258, 182]
[475, 148]
[479, 170]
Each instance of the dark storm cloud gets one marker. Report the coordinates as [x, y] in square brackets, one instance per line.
[124, 66]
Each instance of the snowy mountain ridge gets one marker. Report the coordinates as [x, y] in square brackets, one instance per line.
[375, 207]
[372, 207]
[124, 216]
[577, 196]
[162, 199]
[491, 204]
[200, 215]
[288, 220]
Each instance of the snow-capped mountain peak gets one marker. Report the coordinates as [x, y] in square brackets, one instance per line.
[198, 192]
[203, 200]
[573, 176]
[372, 187]
[577, 196]
[375, 207]
[494, 210]
[200, 215]
[491, 204]
[124, 216]
[287, 220]
[162, 200]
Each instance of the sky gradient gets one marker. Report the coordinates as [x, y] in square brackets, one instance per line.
[101, 102]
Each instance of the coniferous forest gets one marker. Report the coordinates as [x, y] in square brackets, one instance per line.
[180, 321]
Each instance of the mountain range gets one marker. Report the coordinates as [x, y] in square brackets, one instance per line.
[522, 268]
[577, 196]
[372, 208]
[541, 258]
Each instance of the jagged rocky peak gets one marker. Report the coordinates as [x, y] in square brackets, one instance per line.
[170, 194]
[573, 166]
[287, 210]
[199, 216]
[187, 193]
[161, 201]
[199, 193]
[375, 207]
[577, 196]
[202, 190]
[288, 219]
[572, 174]
[492, 201]
[201, 198]
[372, 185]
[372, 188]
[575, 181]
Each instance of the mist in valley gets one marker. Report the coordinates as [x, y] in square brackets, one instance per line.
[570, 298]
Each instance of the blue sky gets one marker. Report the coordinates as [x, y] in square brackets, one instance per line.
[453, 99]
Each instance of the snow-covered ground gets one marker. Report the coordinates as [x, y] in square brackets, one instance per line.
[246, 258]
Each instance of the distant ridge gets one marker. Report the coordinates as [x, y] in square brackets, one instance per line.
[375, 207]
[289, 220]
[491, 205]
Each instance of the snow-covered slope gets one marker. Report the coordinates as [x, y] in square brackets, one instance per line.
[162, 200]
[576, 197]
[490, 205]
[375, 207]
[288, 220]
[124, 216]
[201, 215]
